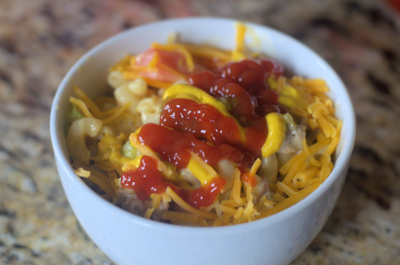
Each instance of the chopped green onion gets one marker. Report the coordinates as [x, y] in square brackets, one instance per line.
[75, 114]
[129, 150]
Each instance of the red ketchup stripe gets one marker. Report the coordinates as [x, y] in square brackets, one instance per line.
[147, 180]
[207, 123]
[172, 147]
[242, 103]
[243, 85]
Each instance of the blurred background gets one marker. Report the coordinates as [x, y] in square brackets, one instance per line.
[41, 39]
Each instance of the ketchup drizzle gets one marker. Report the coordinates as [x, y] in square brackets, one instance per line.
[172, 146]
[242, 87]
[147, 180]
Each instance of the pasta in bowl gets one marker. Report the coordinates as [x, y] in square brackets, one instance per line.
[205, 135]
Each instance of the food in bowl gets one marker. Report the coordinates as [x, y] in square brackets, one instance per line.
[197, 135]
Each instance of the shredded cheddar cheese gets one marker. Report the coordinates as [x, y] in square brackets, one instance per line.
[80, 104]
[91, 105]
[289, 201]
[206, 51]
[236, 187]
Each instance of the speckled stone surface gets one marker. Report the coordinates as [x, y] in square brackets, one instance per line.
[41, 39]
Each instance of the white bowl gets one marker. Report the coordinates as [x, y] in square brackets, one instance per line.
[130, 239]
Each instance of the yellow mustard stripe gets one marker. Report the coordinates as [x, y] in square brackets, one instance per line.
[202, 171]
[182, 89]
[276, 134]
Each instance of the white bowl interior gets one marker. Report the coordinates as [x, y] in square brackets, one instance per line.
[90, 73]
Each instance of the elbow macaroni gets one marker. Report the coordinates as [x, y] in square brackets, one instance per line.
[131, 92]
[149, 109]
[115, 79]
[138, 87]
[76, 138]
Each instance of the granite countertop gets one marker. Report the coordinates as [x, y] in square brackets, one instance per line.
[41, 39]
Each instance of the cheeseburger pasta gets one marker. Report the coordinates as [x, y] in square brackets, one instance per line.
[196, 135]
